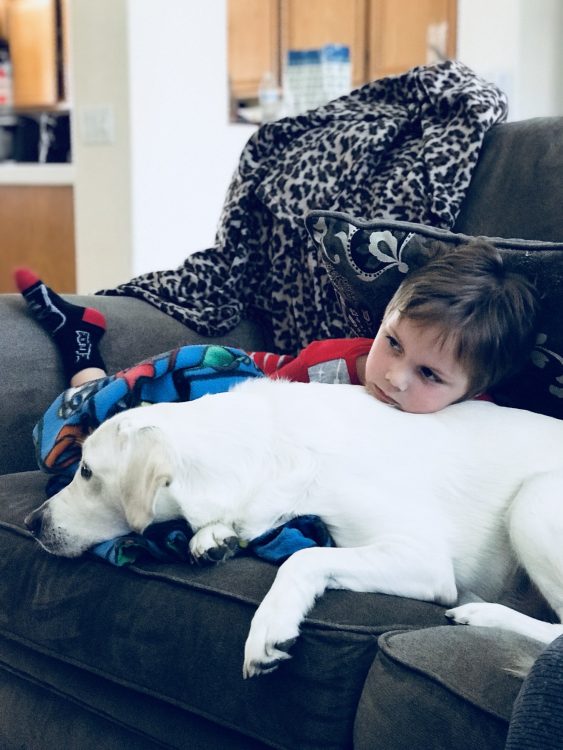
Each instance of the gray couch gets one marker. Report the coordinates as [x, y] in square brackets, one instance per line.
[94, 657]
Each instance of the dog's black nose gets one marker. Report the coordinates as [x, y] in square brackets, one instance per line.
[34, 521]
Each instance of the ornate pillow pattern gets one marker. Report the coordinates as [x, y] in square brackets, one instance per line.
[367, 260]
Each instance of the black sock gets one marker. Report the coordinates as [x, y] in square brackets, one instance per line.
[76, 330]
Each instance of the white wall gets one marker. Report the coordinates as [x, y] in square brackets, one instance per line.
[517, 44]
[102, 191]
[183, 148]
[540, 71]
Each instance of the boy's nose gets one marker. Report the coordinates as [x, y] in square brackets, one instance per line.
[399, 378]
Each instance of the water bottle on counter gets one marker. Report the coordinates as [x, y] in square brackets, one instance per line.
[269, 98]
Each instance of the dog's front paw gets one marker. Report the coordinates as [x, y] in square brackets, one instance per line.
[214, 543]
[267, 646]
[483, 614]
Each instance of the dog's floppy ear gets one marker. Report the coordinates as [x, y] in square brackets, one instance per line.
[147, 468]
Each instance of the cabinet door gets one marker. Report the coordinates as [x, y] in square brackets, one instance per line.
[32, 28]
[310, 24]
[4, 19]
[405, 33]
[253, 44]
[37, 228]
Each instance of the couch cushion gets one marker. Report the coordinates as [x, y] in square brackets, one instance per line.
[36, 690]
[367, 260]
[441, 688]
[176, 633]
[515, 189]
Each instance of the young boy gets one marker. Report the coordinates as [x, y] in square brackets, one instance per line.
[453, 329]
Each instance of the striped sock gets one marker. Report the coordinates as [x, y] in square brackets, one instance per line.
[76, 330]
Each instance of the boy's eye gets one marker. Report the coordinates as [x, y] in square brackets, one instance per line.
[429, 374]
[393, 343]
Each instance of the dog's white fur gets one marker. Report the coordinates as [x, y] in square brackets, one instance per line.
[423, 506]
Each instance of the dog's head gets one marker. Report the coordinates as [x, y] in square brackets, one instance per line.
[124, 474]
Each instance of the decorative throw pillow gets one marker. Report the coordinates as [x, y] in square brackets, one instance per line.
[367, 260]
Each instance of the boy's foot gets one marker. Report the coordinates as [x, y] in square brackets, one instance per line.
[76, 330]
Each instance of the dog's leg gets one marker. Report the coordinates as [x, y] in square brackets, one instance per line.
[491, 615]
[535, 523]
[397, 566]
[536, 533]
[215, 542]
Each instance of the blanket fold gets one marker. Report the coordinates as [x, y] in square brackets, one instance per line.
[169, 542]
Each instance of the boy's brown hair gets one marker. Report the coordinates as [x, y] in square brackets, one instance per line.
[486, 311]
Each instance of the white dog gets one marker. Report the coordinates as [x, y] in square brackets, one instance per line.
[419, 505]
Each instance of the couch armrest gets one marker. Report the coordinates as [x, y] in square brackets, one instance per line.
[440, 688]
[30, 370]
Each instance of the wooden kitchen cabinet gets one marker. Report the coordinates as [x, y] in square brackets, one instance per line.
[385, 37]
[36, 200]
[314, 23]
[37, 33]
[37, 225]
[253, 44]
[405, 33]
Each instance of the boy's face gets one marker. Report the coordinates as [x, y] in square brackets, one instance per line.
[409, 367]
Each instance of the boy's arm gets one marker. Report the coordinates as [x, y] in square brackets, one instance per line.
[271, 363]
[307, 365]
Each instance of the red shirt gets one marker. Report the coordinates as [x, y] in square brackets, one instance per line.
[330, 361]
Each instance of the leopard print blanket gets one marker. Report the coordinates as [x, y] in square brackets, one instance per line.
[402, 147]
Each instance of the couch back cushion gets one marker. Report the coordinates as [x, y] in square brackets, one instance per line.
[516, 188]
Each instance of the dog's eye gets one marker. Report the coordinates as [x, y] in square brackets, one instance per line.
[85, 471]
